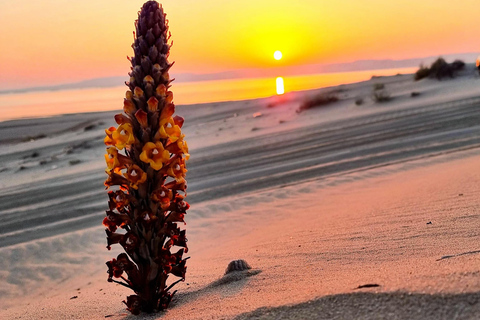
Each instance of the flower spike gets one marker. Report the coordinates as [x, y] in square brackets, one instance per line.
[146, 166]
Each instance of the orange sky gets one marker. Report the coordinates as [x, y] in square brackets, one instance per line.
[56, 41]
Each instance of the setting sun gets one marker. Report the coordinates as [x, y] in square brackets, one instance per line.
[277, 55]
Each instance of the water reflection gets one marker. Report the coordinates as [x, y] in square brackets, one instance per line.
[46, 103]
[280, 87]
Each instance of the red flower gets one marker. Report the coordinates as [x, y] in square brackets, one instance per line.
[114, 220]
[115, 179]
[118, 200]
[162, 196]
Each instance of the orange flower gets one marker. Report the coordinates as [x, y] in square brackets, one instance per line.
[152, 104]
[168, 129]
[183, 146]
[121, 119]
[169, 97]
[116, 161]
[114, 179]
[128, 104]
[129, 107]
[112, 158]
[118, 200]
[109, 139]
[179, 148]
[163, 196]
[148, 80]
[154, 154]
[142, 118]
[114, 220]
[138, 92]
[161, 90]
[135, 175]
[177, 170]
[123, 136]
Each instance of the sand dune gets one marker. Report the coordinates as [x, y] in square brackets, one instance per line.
[319, 202]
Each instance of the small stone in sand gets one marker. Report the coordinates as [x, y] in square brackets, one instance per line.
[237, 265]
[74, 162]
[414, 94]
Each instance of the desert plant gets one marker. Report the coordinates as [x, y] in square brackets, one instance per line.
[380, 94]
[439, 69]
[457, 65]
[318, 101]
[422, 72]
[149, 177]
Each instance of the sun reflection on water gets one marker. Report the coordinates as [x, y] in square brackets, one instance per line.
[280, 86]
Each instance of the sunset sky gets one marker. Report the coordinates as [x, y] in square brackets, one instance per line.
[57, 41]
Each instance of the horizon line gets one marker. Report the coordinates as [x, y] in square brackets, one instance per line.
[357, 65]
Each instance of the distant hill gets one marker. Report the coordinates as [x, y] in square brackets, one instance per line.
[358, 65]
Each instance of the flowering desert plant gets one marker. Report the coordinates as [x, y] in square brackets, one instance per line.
[145, 158]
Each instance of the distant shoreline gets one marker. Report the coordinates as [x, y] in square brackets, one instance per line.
[288, 71]
[44, 104]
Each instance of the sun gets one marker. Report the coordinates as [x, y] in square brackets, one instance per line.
[277, 55]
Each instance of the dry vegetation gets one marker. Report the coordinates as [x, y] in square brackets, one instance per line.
[439, 69]
[320, 100]
[380, 94]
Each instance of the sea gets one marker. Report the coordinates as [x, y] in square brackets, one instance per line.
[37, 104]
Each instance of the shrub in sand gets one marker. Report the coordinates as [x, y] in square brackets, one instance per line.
[149, 178]
[318, 101]
[439, 69]
[380, 94]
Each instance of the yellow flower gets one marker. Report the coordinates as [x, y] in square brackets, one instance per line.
[183, 146]
[123, 136]
[116, 161]
[112, 158]
[135, 175]
[154, 154]
[180, 148]
[177, 170]
[108, 139]
[168, 129]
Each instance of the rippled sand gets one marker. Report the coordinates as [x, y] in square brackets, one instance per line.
[319, 203]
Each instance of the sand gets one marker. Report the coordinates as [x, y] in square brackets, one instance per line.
[319, 203]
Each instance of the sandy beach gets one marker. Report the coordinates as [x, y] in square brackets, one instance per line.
[345, 211]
